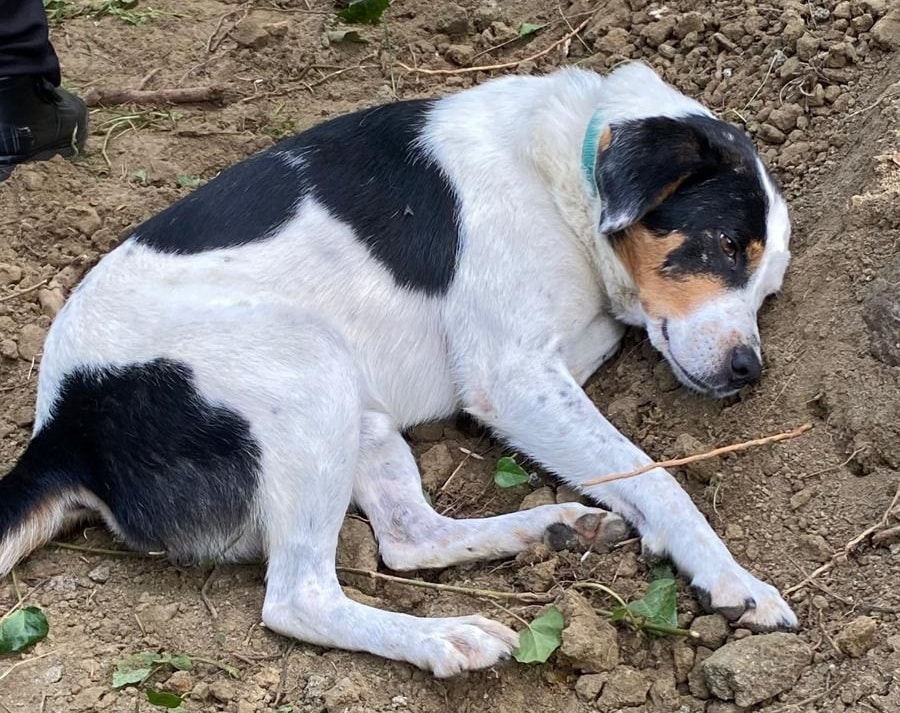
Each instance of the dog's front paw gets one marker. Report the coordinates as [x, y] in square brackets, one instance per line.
[464, 643]
[744, 600]
[581, 527]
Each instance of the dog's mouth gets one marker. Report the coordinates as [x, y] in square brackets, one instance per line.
[686, 377]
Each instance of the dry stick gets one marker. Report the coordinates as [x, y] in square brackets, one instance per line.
[886, 535]
[204, 595]
[25, 291]
[504, 65]
[101, 551]
[848, 548]
[675, 462]
[179, 95]
[527, 597]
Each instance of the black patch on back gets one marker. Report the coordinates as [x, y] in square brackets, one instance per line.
[172, 468]
[368, 171]
[246, 202]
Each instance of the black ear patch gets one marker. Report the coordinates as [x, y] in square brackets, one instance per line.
[645, 160]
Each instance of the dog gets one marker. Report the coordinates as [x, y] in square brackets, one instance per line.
[241, 368]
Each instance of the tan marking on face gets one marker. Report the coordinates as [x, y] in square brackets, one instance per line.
[605, 139]
[644, 255]
[755, 249]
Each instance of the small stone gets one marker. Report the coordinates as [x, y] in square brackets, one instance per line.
[536, 498]
[857, 637]
[840, 54]
[807, 46]
[565, 494]
[863, 23]
[31, 341]
[86, 220]
[683, 659]
[341, 694]
[245, 706]
[624, 412]
[785, 117]
[100, 574]
[800, 498]
[180, 682]
[460, 55]
[486, 14]
[881, 314]
[9, 349]
[771, 134]
[222, 691]
[893, 643]
[589, 643]
[435, 465]
[53, 673]
[842, 10]
[690, 22]
[794, 28]
[539, 577]
[588, 687]
[756, 668]
[665, 379]
[9, 274]
[733, 531]
[696, 680]
[703, 470]
[51, 301]
[88, 699]
[713, 630]
[452, 20]
[427, 432]
[886, 32]
[277, 29]
[627, 687]
[250, 34]
[816, 546]
[613, 42]
[658, 32]
[357, 549]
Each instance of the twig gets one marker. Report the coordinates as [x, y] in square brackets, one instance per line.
[885, 536]
[213, 612]
[503, 65]
[147, 77]
[105, 552]
[24, 291]
[832, 467]
[179, 95]
[848, 548]
[528, 597]
[675, 462]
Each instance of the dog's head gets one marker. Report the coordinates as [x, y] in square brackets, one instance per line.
[697, 222]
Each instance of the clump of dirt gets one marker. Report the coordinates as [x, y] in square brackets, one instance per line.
[813, 83]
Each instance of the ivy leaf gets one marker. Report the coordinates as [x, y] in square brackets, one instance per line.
[368, 12]
[120, 679]
[187, 181]
[182, 662]
[22, 629]
[529, 28]
[658, 606]
[163, 699]
[540, 638]
[509, 473]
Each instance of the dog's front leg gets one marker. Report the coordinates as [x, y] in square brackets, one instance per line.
[536, 404]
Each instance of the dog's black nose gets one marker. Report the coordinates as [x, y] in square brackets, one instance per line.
[745, 366]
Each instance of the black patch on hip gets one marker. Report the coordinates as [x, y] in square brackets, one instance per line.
[177, 473]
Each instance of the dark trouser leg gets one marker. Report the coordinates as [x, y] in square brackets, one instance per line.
[25, 47]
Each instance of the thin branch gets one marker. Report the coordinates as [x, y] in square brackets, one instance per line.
[107, 96]
[24, 291]
[675, 462]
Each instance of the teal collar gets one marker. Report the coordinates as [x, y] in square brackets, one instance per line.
[589, 150]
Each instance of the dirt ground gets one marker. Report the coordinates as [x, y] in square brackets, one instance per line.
[815, 83]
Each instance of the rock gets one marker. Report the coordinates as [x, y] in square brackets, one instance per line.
[665, 379]
[857, 637]
[250, 34]
[690, 22]
[222, 691]
[460, 55]
[816, 547]
[9, 349]
[624, 412]
[886, 32]
[245, 706]
[51, 301]
[589, 643]
[881, 314]
[88, 699]
[565, 494]
[794, 28]
[53, 673]
[756, 668]
[86, 220]
[785, 117]
[156, 616]
[357, 549]
[588, 687]
[658, 32]
[626, 687]
[541, 496]
[840, 54]
[31, 341]
[341, 694]
[807, 46]
[842, 10]
[713, 630]
[427, 432]
[683, 660]
[436, 465]
[180, 682]
[452, 20]
[277, 29]
[100, 574]
[771, 134]
[663, 693]
[486, 14]
[801, 497]
[696, 680]
[704, 470]
[9, 274]
[613, 42]
[539, 577]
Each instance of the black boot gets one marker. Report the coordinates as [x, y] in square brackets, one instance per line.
[38, 121]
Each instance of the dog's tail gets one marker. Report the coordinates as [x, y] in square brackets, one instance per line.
[39, 497]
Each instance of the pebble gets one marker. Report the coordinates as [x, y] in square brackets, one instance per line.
[625, 687]
[588, 686]
[9, 274]
[180, 682]
[807, 46]
[665, 379]
[100, 574]
[31, 341]
[486, 14]
[881, 315]
[460, 55]
[816, 547]
[703, 470]
[713, 630]
[886, 32]
[658, 32]
[756, 668]
[435, 465]
[452, 21]
[341, 694]
[857, 637]
[51, 301]
[589, 643]
[536, 498]
[250, 34]
[683, 660]
[771, 134]
[222, 691]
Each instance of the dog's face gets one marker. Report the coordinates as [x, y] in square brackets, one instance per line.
[697, 222]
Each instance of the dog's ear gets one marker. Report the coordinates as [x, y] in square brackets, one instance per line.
[640, 163]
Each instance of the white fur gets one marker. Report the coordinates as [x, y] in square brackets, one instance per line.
[310, 323]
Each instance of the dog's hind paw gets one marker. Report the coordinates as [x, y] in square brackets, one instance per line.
[744, 600]
[464, 643]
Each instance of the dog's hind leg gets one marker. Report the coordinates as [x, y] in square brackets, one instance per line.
[411, 535]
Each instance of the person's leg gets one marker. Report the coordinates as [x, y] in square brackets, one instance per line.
[38, 120]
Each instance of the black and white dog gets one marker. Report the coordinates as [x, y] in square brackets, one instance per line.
[240, 369]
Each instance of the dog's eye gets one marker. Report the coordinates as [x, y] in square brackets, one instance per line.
[729, 247]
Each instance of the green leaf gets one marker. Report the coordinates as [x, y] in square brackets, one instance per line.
[529, 28]
[182, 662]
[120, 679]
[22, 629]
[285, 709]
[187, 181]
[509, 473]
[338, 36]
[540, 638]
[141, 176]
[658, 606]
[163, 699]
[368, 12]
